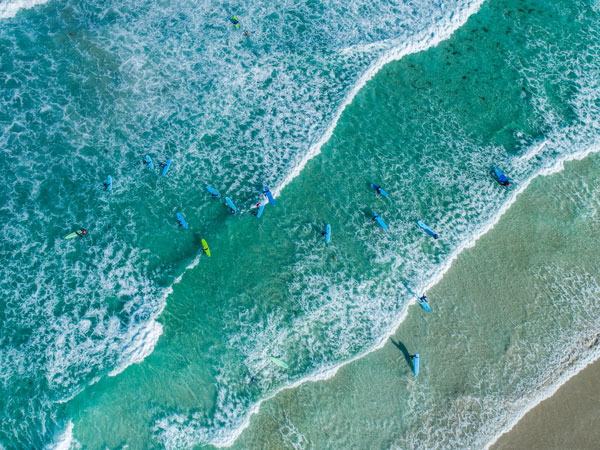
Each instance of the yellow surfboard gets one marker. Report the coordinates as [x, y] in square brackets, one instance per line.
[205, 248]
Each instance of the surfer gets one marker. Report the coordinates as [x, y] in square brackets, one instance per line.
[232, 210]
[107, 185]
[506, 183]
[377, 189]
[81, 233]
[375, 217]
[180, 223]
[423, 298]
[235, 21]
[163, 164]
[246, 33]
[252, 379]
[255, 212]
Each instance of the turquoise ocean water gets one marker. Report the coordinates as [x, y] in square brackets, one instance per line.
[131, 336]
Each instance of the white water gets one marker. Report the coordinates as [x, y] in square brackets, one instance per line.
[10, 8]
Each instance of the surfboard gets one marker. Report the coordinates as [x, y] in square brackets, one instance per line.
[108, 183]
[381, 191]
[416, 364]
[149, 161]
[424, 304]
[230, 204]
[501, 176]
[260, 210]
[182, 221]
[205, 248]
[427, 230]
[327, 233]
[166, 167]
[381, 222]
[237, 25]
[269, 196]
[279, 362]
[72, 235]
[213, 192]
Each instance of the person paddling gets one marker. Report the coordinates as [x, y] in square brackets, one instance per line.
[81, 233]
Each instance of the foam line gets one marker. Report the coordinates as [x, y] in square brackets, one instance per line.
[63, 441]
[10, 8]
[546, 393]
[149, 335]
[326, 373]
[440, 33]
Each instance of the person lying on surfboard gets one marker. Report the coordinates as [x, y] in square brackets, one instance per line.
[255, 212]
[81, 233]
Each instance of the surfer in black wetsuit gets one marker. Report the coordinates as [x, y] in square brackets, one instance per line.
[375, 217]
[377, 189]
[255, 213]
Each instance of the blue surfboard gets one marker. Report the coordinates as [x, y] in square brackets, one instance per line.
[230, 204]
[381, 191]
[165, 167]
[181, 220]
[416, 364]
[380, 221]
[149, 162]
[423, 302]
[214, 193]
[108, 183]
[269, 196]
[501, 177]
[427, 230]
[327, 233]
[260, 210]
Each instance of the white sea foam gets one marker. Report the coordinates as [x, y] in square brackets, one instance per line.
[65, 440]
[399, 48]
[10, 8]
[277, 338]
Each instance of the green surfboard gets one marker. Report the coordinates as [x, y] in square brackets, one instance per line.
[72, 235]
[279, 362]
[205, 248]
